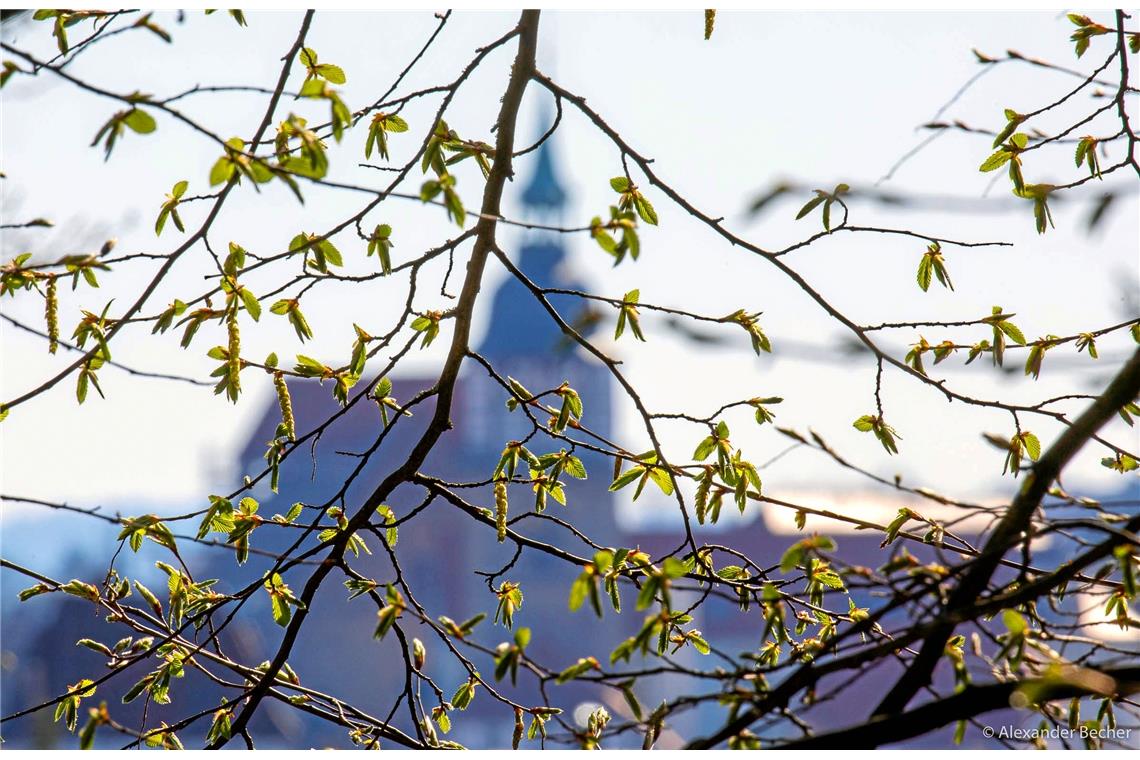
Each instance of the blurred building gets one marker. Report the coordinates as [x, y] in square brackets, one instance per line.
[443, 552]
[439, 551]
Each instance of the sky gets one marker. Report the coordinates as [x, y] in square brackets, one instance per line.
[815, 98]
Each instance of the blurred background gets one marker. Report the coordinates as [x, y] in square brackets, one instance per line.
[745, 126]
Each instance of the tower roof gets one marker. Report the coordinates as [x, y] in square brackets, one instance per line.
[544, 191]
[519, 324]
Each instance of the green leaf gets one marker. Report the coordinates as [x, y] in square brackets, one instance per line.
[648, 593]
[1010, 329]
[252, 305]
[807, 208]
[663, 480]
[645, 209]
[1032, 445]
[674, 568]
[624, 479]
[995, 161]
[1014, 622]
[579, 590]
[222, 171]
[925, 270]
[463, 696]
[140, 121]
[332, 73]
[792, 557]
[581, 667]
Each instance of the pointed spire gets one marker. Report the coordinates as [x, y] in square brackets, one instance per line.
[544, 191]
[520, 325]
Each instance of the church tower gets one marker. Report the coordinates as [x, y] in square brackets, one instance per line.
[519, 323]
[523, 340]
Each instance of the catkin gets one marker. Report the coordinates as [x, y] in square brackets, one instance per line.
[234, 357]
[516, 738]
[710, 19]
[51, 311]
[501, 510]
[286, 405]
